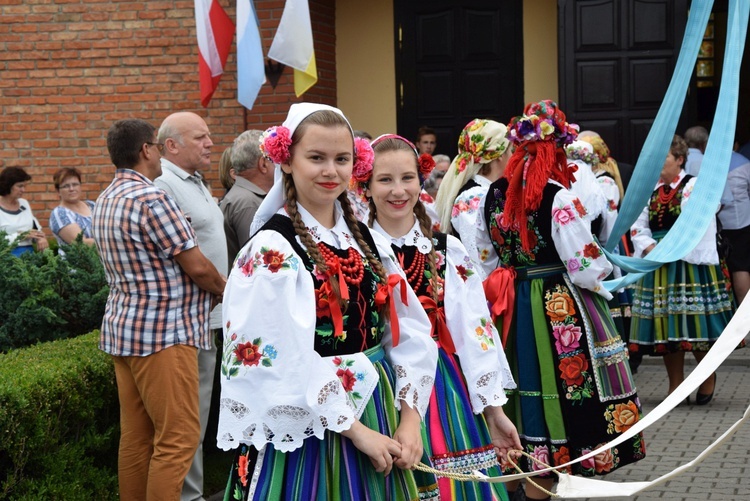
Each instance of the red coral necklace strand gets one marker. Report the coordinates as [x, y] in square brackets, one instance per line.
[352, 266]
[415, 271]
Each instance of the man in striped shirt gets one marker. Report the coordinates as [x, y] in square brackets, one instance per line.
[161, 288]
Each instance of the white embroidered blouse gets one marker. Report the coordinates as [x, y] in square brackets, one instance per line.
[289, 392]
[703, 253]
[478, 346]
[467, 218]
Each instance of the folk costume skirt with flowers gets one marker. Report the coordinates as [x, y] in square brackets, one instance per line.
[680, 307]
[333, 469]
[575, 389]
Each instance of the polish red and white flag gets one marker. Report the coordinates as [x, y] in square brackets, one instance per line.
[215, 32]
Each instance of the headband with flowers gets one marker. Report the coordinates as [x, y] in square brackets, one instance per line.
[361, 174]
[542, 121]
[579, 150]
[541, 134]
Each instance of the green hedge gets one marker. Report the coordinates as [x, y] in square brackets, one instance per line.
[44, 297]
[59, 422]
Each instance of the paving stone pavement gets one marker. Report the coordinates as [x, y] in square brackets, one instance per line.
[687, 430]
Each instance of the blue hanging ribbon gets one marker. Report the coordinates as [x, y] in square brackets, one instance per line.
[695, 218]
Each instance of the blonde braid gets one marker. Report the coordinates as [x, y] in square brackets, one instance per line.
[301, 230]
[425, 224]
[353, 224]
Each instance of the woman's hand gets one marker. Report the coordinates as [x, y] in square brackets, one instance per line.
[40, 239]
[379, 448]
[648, 249]
[503, 432]
[409, 435]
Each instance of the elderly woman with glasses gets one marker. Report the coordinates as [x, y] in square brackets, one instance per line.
[73, 216]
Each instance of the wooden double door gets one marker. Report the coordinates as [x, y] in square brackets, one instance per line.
[456, 61]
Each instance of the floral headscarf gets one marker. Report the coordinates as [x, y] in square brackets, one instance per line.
[481, 141]
[540, 134]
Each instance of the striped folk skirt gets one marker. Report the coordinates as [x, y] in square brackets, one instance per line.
[333, 469]
[456, 439]
[680, 307]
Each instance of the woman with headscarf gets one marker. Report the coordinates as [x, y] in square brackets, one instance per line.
[483, 151]
[575, 390]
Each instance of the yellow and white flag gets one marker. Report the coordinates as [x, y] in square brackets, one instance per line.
[293, 45]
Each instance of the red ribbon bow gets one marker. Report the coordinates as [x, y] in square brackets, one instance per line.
[500, 290]
[384, 297]
[439, 325]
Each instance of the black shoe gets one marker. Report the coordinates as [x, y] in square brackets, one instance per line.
[703, 399]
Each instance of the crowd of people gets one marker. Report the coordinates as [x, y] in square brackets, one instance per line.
[375, 307]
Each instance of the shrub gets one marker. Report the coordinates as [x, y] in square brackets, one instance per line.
[44, 296]
[59, 422]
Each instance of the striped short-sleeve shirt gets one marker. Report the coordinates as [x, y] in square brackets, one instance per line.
[153, 304]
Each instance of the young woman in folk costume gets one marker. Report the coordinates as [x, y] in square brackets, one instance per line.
[575, 390]
[328, 365]
[483, 152]
[472, 370]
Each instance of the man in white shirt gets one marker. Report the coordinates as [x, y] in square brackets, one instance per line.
[187, 149]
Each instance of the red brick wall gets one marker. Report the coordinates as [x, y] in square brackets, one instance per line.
[70, 68]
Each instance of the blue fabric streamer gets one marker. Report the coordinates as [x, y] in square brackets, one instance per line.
[704, 201]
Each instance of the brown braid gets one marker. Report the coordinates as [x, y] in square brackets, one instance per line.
[301, 230]
[425, 224]
[353, 224]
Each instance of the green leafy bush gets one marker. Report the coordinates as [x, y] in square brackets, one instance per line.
[44, 296]
[59, 422]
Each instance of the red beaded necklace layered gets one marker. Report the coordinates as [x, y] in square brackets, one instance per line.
[415, 271]
[351, 267]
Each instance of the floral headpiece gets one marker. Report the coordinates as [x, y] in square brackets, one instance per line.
[361, 174]
[275, 143]
[481, 141]
[583, 151]
[600, 147]
[542, 121]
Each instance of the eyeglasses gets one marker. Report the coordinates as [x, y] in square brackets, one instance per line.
[70, 186]
[159, 146]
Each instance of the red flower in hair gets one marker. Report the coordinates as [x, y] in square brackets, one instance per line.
[275, 143]
[426, 164]
[364, 157]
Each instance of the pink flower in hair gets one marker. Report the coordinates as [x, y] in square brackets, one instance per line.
[363, 160]
[275, 143]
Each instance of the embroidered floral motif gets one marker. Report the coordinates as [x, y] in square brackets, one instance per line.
[563, 215]
[484, 334]
[348, 378]
[500, 233]
[541, 454]
[250, 354]
[583, 258]
[271, 259]
[566, 338]
[562, 456]
[468, 206]
[580, 209]
[559, 306]
[620, 417]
